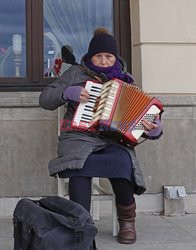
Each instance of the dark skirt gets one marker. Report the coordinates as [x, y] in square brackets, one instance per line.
[110, 162]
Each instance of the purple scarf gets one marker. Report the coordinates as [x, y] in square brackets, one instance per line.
[114, 71]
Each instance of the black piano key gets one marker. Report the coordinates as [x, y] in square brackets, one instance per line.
[93, 96]
[86, 115]
[85, 119]
[87, 106]
[91, 101]
[95, 87]
[94, 90]
[87, 109]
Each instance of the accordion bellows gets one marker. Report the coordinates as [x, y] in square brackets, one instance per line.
[118, 107]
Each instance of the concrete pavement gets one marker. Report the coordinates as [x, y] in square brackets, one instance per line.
[154, 232]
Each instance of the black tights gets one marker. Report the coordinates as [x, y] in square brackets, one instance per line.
[80, 191]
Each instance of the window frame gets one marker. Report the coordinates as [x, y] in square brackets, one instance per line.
[35, 81]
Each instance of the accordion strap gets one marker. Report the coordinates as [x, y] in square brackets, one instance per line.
[91, 74]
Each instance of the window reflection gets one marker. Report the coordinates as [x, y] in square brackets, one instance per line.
[71, 24]
[12, 38]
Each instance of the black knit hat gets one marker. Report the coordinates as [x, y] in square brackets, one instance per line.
[102, 41]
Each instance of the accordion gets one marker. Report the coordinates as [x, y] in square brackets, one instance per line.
[116, 108]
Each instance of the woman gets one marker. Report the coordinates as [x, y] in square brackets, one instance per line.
[83, 155]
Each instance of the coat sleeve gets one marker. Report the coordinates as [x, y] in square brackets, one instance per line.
[51, 97]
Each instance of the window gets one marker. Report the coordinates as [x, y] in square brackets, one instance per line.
[33, 32]
[71, 23]
[12, 39]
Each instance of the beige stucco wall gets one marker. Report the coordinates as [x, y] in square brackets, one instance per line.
[164, 64]
[164, 45]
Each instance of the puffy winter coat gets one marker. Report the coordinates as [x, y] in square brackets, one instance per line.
[74, 146]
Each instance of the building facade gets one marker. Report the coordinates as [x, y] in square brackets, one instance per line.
[161, 47]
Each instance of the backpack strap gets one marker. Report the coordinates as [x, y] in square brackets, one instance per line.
[94, 245]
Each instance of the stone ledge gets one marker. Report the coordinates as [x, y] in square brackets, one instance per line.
[147, 203]
[19, 99]
[31, 99]
[177, 100]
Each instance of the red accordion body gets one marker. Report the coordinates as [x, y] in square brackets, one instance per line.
[118, 107]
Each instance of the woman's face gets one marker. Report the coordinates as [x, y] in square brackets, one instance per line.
[103, 59]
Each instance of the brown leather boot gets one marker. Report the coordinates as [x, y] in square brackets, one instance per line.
[126, 217]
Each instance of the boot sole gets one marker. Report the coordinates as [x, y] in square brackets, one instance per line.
[122, 241]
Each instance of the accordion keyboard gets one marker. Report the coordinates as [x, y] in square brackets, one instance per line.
[89, 112]
[84, 113]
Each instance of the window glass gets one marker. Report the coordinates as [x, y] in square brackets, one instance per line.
[12, 38]
[71, 24]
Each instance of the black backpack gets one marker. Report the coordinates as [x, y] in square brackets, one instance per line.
[52, 223]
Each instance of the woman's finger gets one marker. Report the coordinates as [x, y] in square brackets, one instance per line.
[148, 125]
[157, 117]
[84, 95]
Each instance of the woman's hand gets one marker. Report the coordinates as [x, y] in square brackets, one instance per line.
[76, 93]
[152, 129]
[84, 95]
